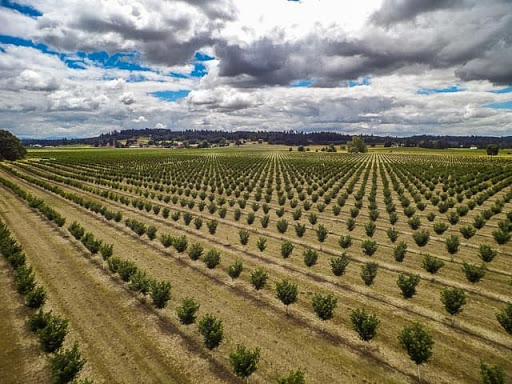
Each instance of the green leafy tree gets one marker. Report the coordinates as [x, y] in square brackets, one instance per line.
[180, 244]
[244, 236]
[453, 300]
[151, 232]
[265, 219]
[52, 335]
[486, 253]
[369, 272]
[166, 240]
[140, 282]
[339, 264]
[244, 361]
[324, 305]
[440, 227]
[286, 292]
[286, 249]
[321, 233]
[113, 263]
[492, 374]
[212, 226]
[369, 247]
[212, 331]
[392, 234]
[468, 231]
[195, 251]
[501, 236]
[24, 279]
[261, 243]
[76, 230]
[300, 229]
[160, 293]
[293, 377]
[356, 145]
[310, 257]
[126, 269]
[38, 320]
[187, 312]
[106, 250]
[66, 364]
[370, 228]
[212, 259]
[235, 269]
[418, 343]
[345, 241]
[432, 264]
[452, 244]
[492, 149]
[505, 318]
[364, 324]
[259, 278]
[399, 251]
[421, 237]
[282, 225]
[11, 147]
[36, 297]
[408, 283]
[473, 272]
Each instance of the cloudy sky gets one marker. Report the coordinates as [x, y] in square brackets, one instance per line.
[77, 68]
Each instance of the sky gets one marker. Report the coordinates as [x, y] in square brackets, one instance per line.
[78, 68]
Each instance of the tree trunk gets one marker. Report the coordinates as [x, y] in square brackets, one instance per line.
[419, 374]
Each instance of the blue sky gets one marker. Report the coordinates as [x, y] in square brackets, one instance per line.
[171, 95]
[504, 105]
[430, 91]
[246, 65]
[21, 8]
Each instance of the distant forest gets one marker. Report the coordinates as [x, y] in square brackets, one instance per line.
[168, 138]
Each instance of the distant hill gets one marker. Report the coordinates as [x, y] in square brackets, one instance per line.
[168, 138]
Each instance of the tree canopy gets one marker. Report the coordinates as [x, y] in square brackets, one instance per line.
[10, 147]
[493, 149]
[357, 145]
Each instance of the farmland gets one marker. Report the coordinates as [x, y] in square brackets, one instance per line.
[320, 221]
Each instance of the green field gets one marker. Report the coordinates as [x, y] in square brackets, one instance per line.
[284, 215]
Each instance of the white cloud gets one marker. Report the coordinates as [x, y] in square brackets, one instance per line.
[259, 48]
[140, 119]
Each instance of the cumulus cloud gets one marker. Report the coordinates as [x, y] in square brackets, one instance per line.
[254, 52]
[140, 119]
[165, 32]
[394, 11]
[127, 98]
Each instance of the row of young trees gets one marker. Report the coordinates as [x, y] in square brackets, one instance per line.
[243, 360]
[420, 237]
[473, 272]
[51, 329]
[453, 299]
[406, 282]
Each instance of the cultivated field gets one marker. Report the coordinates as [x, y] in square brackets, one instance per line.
[321, 221]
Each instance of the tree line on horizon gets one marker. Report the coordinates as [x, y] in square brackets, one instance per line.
[205, 138]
